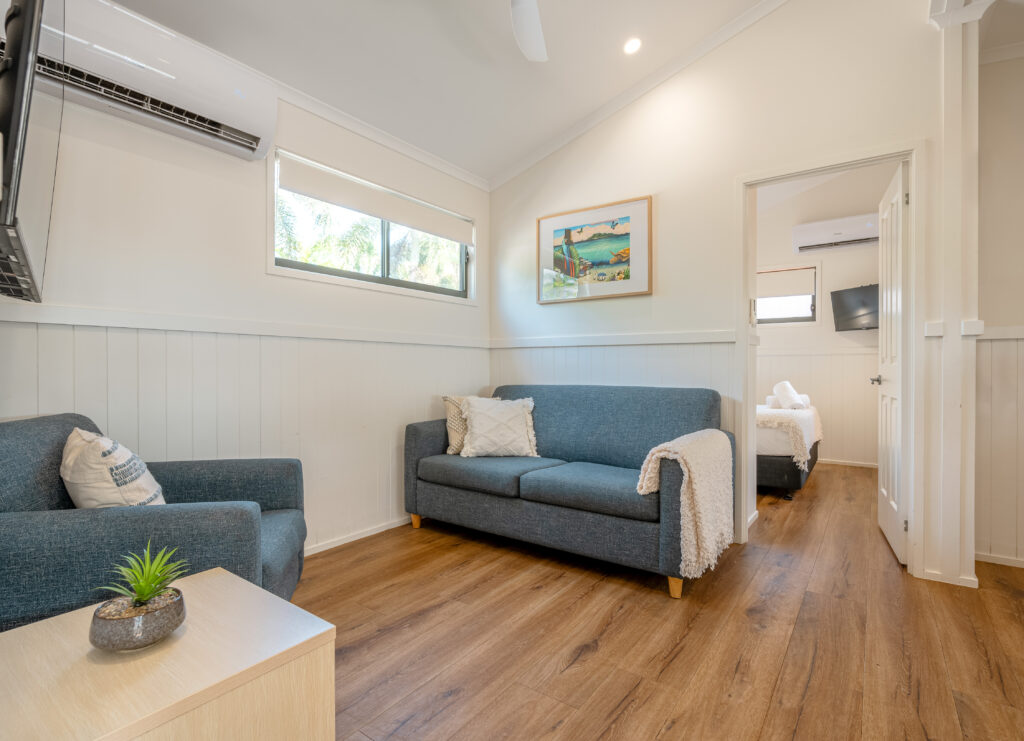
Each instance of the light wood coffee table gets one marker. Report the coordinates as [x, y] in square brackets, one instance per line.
[245, 664]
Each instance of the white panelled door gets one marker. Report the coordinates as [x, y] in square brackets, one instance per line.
[892, 229]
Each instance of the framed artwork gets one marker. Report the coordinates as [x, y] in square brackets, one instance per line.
[598, 252]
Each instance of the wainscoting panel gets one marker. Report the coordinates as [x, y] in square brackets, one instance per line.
[340, 406]
[999, 461]
[707, 365]
[838, 386]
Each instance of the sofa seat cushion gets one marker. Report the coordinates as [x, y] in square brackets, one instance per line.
[490, 475]
[282, 535]
[592, 487]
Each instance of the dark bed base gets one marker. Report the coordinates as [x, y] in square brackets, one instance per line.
[780, 472]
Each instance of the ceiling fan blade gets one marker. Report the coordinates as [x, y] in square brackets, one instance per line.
[527, 30]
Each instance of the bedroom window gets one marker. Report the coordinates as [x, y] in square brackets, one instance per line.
[786, 295]
[332, 224]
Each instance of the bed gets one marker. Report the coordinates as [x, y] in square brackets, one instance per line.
[787, 446]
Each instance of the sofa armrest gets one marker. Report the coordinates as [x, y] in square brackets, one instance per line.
[51, 561]
[671, 480]
[273, 483]
[422, 439]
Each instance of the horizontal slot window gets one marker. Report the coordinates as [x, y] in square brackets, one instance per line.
[329, 223]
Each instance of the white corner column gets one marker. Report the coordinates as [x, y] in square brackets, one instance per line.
[956, 247]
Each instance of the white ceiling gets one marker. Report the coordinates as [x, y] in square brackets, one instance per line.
[446, 75]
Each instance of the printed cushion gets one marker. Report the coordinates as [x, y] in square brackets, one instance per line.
[456, 423]
[98, 472]
[498, 428]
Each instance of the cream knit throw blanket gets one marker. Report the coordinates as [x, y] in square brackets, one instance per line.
[706, 497]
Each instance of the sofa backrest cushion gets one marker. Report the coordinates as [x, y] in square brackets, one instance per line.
[613, 425]
[30, 457]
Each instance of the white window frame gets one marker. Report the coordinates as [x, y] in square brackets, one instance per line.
[366, 284]
[816, 267]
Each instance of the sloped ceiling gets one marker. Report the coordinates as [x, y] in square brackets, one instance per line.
[446, 76]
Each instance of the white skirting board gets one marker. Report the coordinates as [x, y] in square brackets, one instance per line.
[1003, 560]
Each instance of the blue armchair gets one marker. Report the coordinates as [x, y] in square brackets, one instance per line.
[243, 515]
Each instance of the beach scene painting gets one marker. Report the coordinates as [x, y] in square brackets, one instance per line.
[600, 252]
[594, 253]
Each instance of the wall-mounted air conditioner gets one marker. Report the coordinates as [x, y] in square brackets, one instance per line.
[118, 61]
[852, 230]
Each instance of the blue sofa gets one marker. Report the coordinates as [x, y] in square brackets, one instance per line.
[243, 515]
[580, 494]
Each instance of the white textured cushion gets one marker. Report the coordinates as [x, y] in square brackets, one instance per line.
[455, 422]
[787, 396]
[773, 402]
[98, 472]
[498, 428]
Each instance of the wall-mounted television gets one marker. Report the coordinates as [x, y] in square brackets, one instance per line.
[855, 308]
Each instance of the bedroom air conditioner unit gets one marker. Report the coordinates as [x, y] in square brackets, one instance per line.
[118, 61]
[848, 231]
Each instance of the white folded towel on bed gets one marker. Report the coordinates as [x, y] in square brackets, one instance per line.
[773, 401]
[787, 396]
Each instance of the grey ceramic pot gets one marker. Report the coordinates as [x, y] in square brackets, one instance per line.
[128, 633]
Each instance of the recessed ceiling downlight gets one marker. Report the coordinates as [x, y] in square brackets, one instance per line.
[632, 46]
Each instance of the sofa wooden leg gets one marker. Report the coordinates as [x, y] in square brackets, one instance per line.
[416, 521]
[675, 587]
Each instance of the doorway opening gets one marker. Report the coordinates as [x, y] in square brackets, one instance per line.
[830, 294]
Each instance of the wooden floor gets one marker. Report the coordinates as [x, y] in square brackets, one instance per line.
[810, 630]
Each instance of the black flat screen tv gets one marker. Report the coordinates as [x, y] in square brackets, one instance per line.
[855, 308]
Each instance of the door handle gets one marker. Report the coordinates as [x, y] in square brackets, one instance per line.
[877, 379]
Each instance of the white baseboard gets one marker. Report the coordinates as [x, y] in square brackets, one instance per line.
[342, 539]
[752, 519]
[960, 581]
[1002, 560]
[858, 464]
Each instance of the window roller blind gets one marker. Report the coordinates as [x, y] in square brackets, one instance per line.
[786, 283]
[303, 177]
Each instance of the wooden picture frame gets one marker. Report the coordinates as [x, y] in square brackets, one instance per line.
[600, 252]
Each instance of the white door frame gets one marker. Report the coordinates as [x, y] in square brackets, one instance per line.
[915, 155]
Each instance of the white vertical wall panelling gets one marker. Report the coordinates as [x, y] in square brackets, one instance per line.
[123, 385]
[56, 368]
[999, 462]
[19, 394]
[90, 348]
[179, 395]
[249, 396]
[152, 409]
[339, 406]
[838, 386]
[205, 404]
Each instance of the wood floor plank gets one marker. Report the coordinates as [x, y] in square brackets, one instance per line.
[517, 713]
[444, 632]
[983, 720]
[842, 567]
[977, 664]
[729, 694]
[474, 680]
[906, 688]
[626, 706]
[819, 691]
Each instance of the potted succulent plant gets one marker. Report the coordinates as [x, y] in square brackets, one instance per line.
[148, 608]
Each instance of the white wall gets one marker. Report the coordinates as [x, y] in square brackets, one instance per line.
[158, 243]
[797, 90]
[1001, 186]
[999, 471]
[833, 367]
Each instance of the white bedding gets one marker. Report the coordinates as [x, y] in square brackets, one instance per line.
[774, 436]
